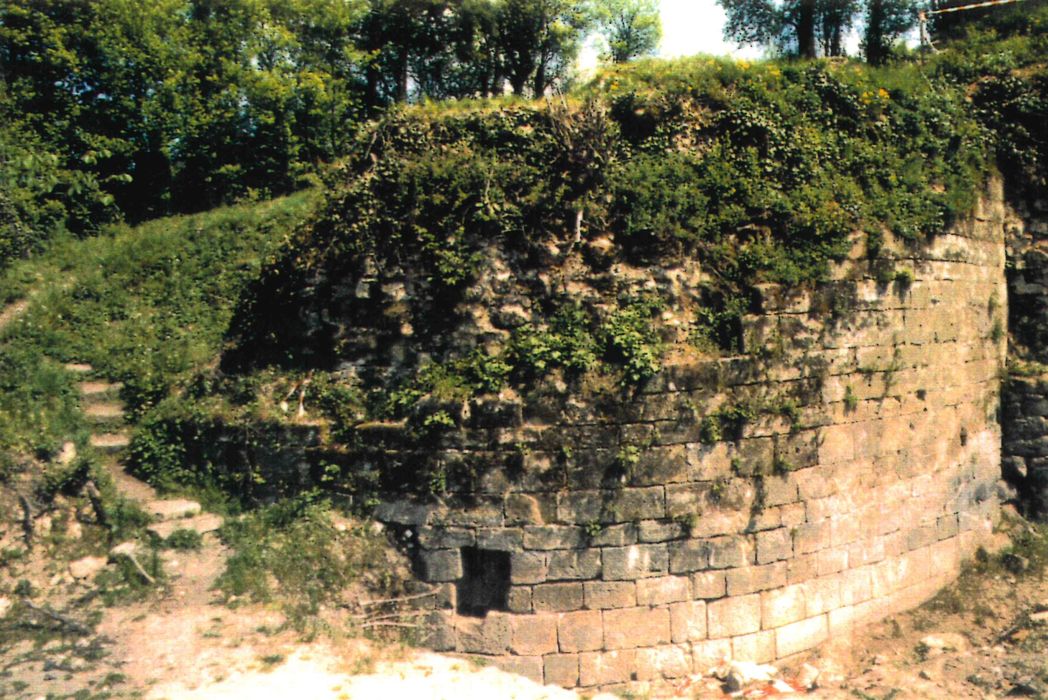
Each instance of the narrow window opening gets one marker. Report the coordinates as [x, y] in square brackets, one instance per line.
[484, 584]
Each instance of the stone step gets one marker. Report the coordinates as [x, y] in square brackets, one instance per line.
[201, 524]
[127, 485]
[91, 390]
[172, 508]
[79, 367]
[104, 412]
[110, 442]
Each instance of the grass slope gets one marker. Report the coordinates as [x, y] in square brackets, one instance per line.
[147, 306]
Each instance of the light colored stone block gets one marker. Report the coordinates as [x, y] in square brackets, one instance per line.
[801, 636]
[688, 621]
[636, 627]
[729, 617]
[782, 606]
[581, 631]
[758, 647]
[662, 590]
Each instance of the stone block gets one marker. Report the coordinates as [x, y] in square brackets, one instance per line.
[710, 654]
[822, 594]
[581, 631]
[662, 590]
[527, 666]
[440, 633]
[615, 536]
[573, 564]
[811, 537]
[519, 599]
[534, 635]
[728, 552]
[446, 538]
[441, 565]
[856, 586]
[601, 595]
[629, 628]
[800, 569]
[500, 539]
[659, 530]
[600, 668]
[633, 504]
[491, 634]
[556, 597]
[561, 669]
[661, 662]
[758, 647]
[729, 617]
[688, 556]
[753, 579]
[554, 537]
[830, 561]
[782, 606]
[801, 636]
[522, 509]
[779, 490]
[774, 545]
[527, 567]
[688, 621]
[580, 507]
[709, 584]
[634, 562]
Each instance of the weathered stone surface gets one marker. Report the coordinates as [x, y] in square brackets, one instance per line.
[662, 590]
[634, 562]
[561, 669]
[581, 631]
[636, 627]
[574, 564]
[557, 597]
[855, 499]
[601, 595]
[599, 668]
[688, 621]
[729, 617]
[491, 634]
[801, 636]
[533, 635]
[442, 565]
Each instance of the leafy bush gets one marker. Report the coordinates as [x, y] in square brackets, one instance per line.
[293, 552]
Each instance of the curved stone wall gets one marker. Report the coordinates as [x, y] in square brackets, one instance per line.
[837, 472]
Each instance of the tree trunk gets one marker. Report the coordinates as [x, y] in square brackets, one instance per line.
[540, 79]
[806, 29]
[875, 33]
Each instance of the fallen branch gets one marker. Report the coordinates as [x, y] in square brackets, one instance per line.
[27, 521]
[402, 599]
[392, 616]
[410, 625]
[138, 567]
[65, 621]
[95, 497]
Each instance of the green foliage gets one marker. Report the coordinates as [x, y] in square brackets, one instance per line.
[631, 341]
[183, 539]
[293, 553]
[630, 28]
[851, 401]
[148, 306]
[567, 342]
[726, 423]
